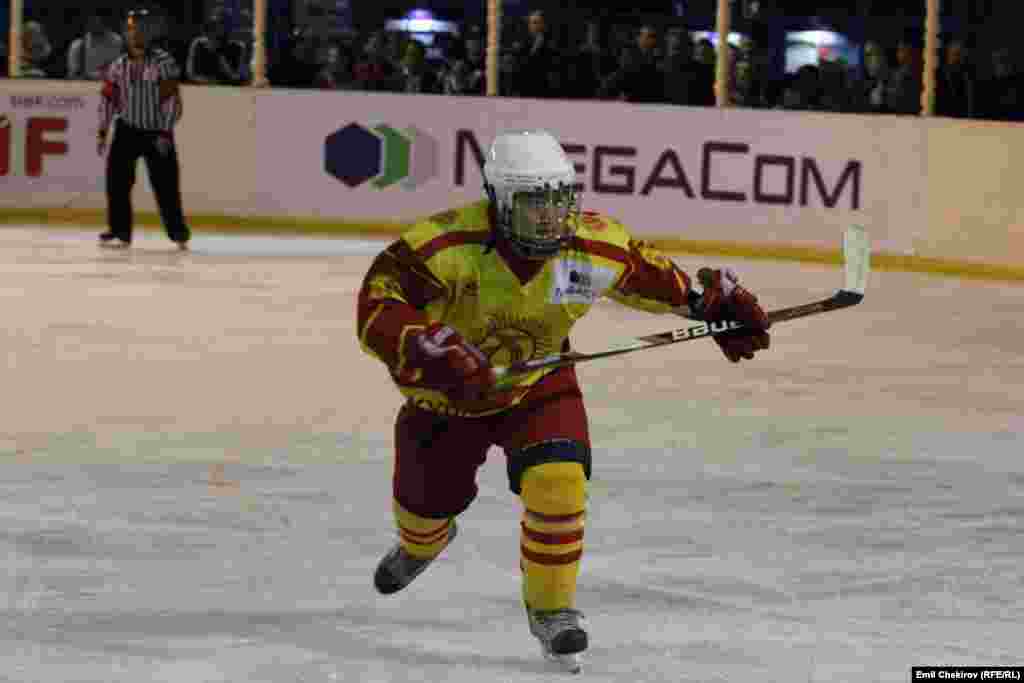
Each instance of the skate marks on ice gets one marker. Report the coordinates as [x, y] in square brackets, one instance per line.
[805, 573]
[195, 354]
[188, 495]
[120, 572]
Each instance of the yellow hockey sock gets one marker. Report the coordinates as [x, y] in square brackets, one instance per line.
[421, 537]
[554, 498]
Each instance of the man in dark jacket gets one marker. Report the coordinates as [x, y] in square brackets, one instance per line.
[1001, 95]
[639, 77]
[954, 84]
[540, 63]
[686, 81]
[590, 64]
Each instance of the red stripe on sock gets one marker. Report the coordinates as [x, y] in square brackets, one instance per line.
[424, 538]
[550, 560]
[552, 539]
[555, 519]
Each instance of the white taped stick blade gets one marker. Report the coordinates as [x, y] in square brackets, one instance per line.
[857, 258]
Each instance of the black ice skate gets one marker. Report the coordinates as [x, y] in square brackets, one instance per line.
[109, 240]
[399, 568]
[562, 635]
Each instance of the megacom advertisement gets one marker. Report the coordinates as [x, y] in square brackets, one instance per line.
[694, 174]
[47, 147]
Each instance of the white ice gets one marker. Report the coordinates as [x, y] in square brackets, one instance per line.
[197, 460]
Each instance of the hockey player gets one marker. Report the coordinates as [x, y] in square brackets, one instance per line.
[499, 281]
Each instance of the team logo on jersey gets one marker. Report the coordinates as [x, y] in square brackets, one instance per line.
[649, 251]
[579, 282]
[511, 339]
[382, 155]
[582, 279]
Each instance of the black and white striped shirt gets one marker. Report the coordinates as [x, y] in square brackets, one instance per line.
[131, 91]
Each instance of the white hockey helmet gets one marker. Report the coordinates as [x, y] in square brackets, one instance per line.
[532, 183]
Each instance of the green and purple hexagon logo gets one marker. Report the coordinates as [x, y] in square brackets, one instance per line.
[381, 155]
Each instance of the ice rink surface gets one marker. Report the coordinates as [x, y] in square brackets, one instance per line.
[196, 482]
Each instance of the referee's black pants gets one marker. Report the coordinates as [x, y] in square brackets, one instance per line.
[128, 145]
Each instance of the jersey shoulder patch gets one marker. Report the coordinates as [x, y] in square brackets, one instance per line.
[596, 227]
[580, 279]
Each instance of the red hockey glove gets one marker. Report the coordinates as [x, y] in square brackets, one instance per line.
[449, 363]
[725, 299]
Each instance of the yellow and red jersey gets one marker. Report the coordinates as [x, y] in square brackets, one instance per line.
[446, 270]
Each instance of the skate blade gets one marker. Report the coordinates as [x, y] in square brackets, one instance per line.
[572, 664]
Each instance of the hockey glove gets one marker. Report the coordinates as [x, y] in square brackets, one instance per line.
[449, 363]
[725, 299]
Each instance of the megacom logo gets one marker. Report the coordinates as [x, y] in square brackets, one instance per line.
[381, 155]
[725, 171]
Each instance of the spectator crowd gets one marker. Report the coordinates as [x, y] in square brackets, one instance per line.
[650, 63]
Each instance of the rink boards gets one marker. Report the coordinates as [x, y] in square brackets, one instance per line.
[739, 181]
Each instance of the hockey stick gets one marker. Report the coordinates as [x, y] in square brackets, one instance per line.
[856, 265]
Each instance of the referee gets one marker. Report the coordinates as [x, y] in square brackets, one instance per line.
[141, 92]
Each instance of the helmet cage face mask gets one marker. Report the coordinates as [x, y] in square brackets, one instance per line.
[539, 221]
[531, 184]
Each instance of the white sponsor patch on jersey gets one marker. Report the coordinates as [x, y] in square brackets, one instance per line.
[580, 282]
